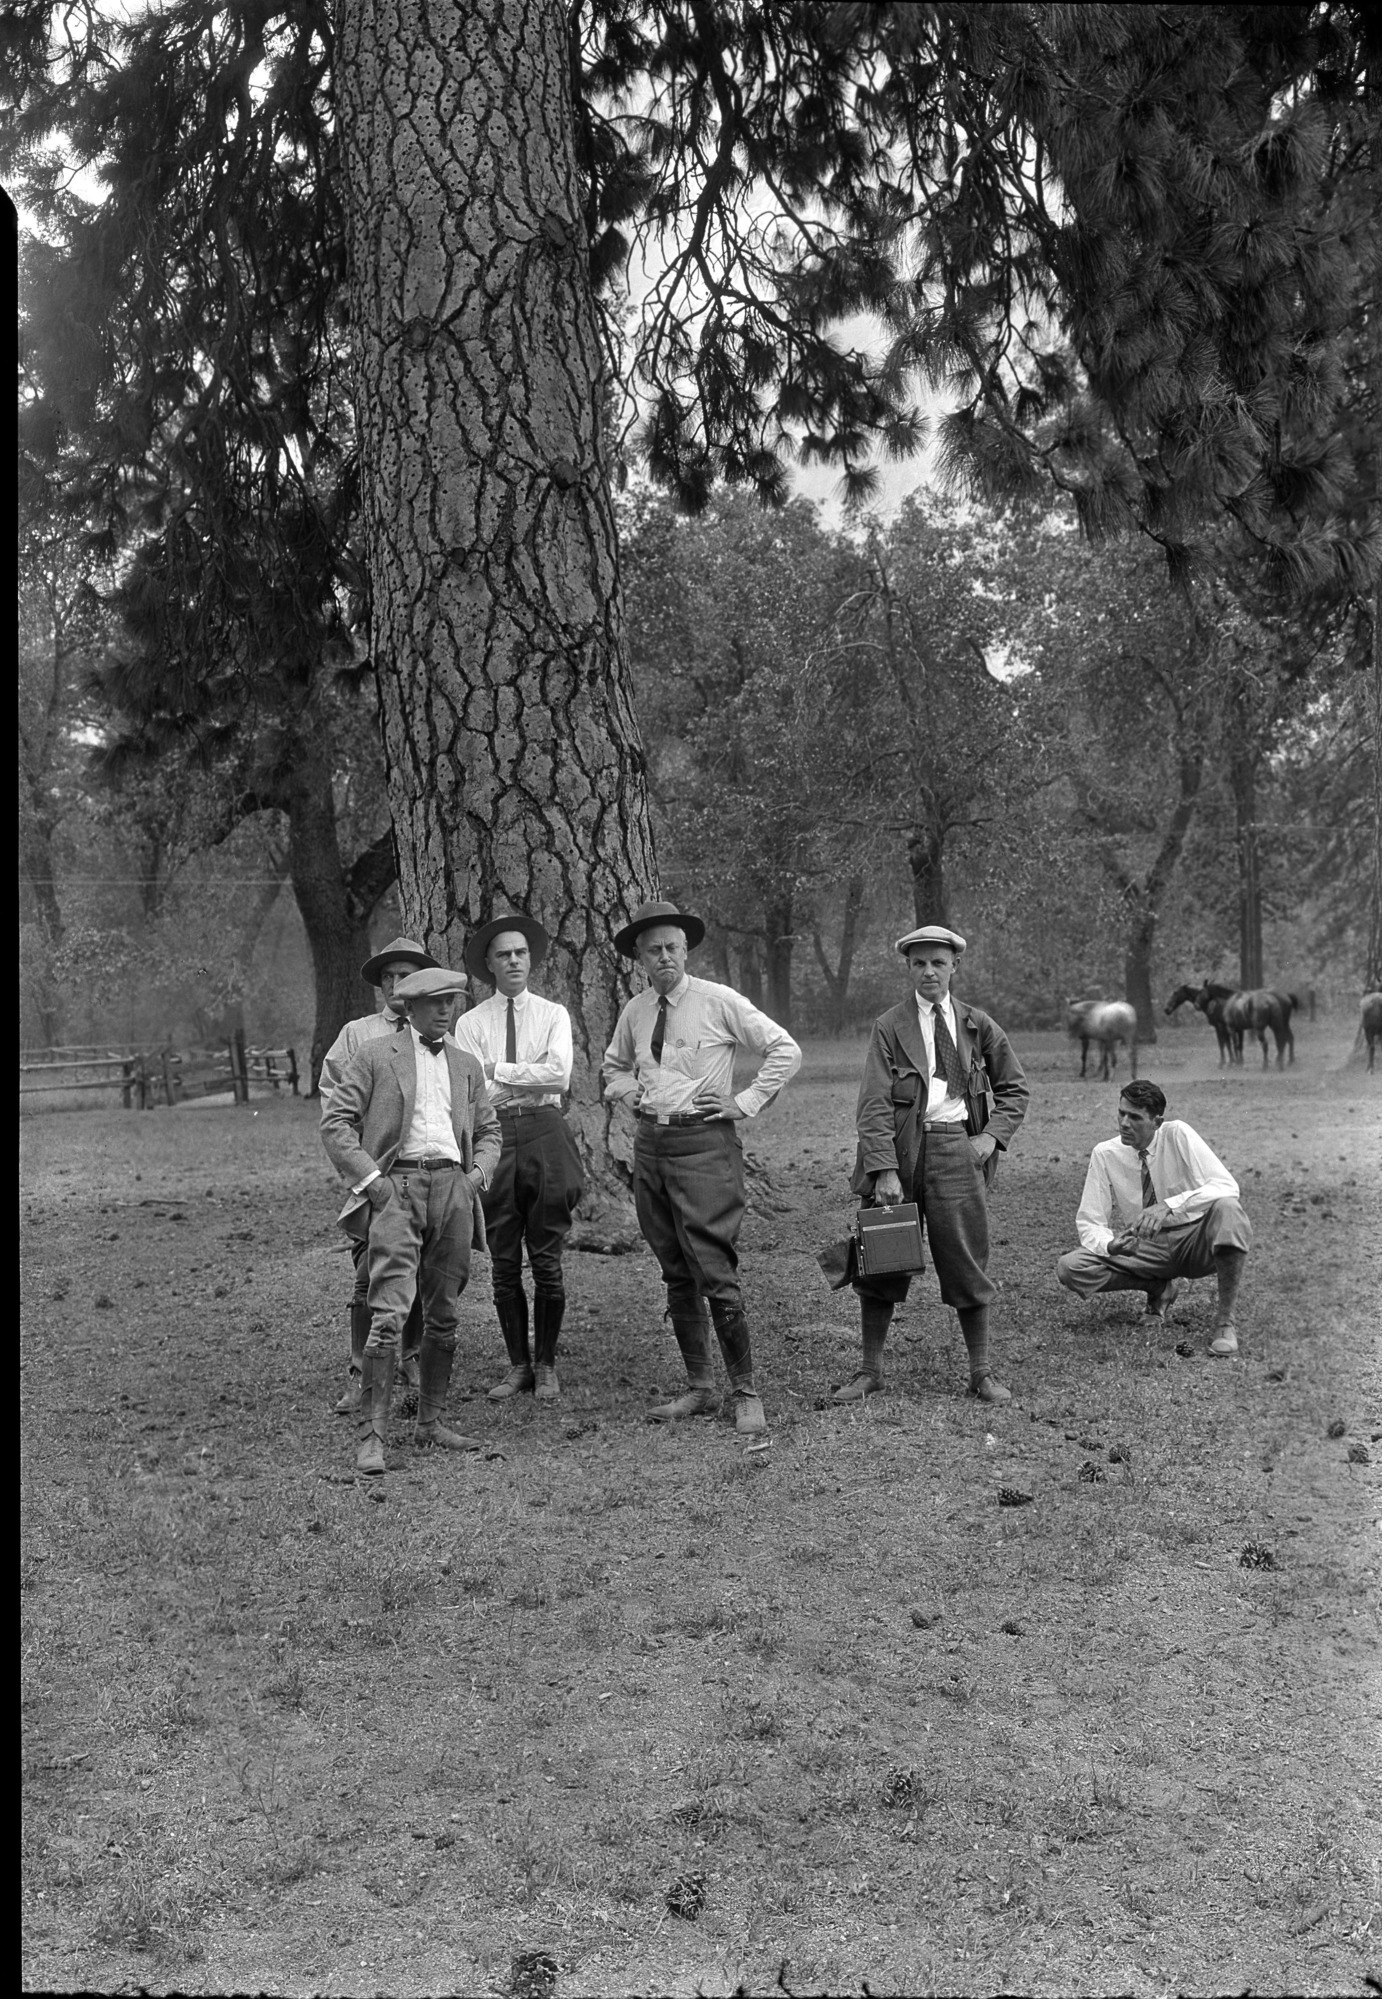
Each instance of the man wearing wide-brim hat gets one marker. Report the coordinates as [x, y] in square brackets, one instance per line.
[671, 1061]
[942, 1095]
[409, 1128]
[523, 1043]
[384, 970]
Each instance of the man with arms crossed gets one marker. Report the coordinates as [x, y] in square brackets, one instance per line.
[672, 1062]
[385, 970]
[927, 1134]
[523, 1044]
[1158, 1207]
[409, 1129]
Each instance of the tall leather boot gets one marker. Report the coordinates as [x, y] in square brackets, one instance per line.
[700, 1399]
[974, 1324]
[434, 1365]
[376, 1387]
[876, 1316]
[409, 1344]
[732, 1331]
[1228, 1267]
[548, 1309]
[359, 1333]
[513, 1324]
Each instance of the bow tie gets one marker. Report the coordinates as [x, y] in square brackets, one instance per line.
[432, 1047]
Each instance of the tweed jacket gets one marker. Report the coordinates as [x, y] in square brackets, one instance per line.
[366, 1119]
[892, 1095]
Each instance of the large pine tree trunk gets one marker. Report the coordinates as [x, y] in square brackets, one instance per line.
[516, 772]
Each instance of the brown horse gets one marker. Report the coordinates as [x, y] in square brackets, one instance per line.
[1370, 1021]
[1255, 1012]
[1210, 1001]
[1108, 1022]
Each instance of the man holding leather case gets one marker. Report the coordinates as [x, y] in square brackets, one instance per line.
[942, 1094]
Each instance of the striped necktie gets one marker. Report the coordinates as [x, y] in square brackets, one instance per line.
[1148, 1190]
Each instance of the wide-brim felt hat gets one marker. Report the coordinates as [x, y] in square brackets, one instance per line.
[402, 947]
[932, 933]
[436, 982]
[647, 916]
[478, 944]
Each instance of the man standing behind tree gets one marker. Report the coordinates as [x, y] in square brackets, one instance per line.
[927, 1134]
[385, 970]
[409, 1128]
[672, 1061]
[523, 1044]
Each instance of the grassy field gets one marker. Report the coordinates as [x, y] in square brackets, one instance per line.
[289, 1730]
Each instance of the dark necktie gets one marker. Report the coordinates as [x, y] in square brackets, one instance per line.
[659, 1031]
[947, 1056]
[432, 1047]
[1148, 1190]
[510, 1037]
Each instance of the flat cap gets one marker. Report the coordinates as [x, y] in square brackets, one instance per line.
[932, 933]
[434, 983]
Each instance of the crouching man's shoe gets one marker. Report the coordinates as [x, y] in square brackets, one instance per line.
[1225, 1341]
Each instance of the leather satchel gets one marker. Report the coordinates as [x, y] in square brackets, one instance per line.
[888, 1240]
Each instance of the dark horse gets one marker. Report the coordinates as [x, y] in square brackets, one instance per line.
[1210, 1000]
[1255, 1012]
[1371, 1024]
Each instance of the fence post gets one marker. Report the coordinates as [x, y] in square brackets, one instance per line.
[239, 1070]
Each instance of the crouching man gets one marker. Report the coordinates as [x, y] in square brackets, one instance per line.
[409, 1127]
[1158, 1207]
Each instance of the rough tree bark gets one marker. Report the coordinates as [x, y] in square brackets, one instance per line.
[515, 767]
[926, 858]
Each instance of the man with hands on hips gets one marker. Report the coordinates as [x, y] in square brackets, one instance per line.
[409, 1128]
[672, 1062]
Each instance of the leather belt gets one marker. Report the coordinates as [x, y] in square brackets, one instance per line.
[427, 1165]
[944, 1124]
[680, 1117]
[525, 1110]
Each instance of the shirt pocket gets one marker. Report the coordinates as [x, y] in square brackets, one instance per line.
[696, 1060]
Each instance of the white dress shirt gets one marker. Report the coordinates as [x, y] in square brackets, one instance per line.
[542, 1041]
[431, 1134]
[1186, 1175]
[706, 1023]
[941, 1106]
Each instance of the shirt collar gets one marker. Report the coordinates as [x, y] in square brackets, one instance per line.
[925, 1007]
[678, 992]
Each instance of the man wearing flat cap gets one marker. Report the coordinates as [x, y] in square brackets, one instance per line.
[385, 970]
[942, 1094]
[523, 1044]
[408, 1127]
[672, 1062]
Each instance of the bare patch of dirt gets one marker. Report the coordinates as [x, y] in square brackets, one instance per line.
[288, 1730]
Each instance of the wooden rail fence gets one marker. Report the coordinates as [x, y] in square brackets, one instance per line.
[146, 1077]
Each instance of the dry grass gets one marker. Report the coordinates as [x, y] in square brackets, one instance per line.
[288, 1730]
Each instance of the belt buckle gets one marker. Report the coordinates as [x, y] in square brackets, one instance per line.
[664, 1117]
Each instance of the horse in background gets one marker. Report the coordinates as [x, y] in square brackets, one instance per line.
[1210, 1001]
[1370, 1020]
[1254, 1012]
[1108, 1022]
